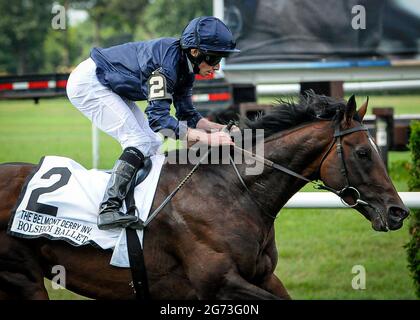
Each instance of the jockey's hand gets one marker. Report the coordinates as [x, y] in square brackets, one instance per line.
[219, 138]
[233, 130]
[216, 138]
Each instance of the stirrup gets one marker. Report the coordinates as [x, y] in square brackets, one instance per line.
[110, 220]
[138, 225]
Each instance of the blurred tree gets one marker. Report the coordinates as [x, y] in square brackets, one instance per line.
[129, 13]
[24, 25]
[413, 246]
[59, 48]
[6, 57]
[100, 11]
[166, 18]
[110, 22]
[28, 43]
[63, 49]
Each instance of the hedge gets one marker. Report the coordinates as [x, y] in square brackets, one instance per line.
[413, 246]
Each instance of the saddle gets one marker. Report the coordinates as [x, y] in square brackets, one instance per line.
[143, 172]
[60, 201]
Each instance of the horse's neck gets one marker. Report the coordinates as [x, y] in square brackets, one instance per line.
[299, 150]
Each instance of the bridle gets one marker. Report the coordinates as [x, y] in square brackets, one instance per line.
[347, 190]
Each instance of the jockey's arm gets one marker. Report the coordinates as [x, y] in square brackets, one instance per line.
[160, 120]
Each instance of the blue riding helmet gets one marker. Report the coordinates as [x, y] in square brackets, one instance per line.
[209, 35]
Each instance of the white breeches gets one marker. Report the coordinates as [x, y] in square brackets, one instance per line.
[117, 116]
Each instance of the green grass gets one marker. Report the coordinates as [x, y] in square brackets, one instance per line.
[317, 248]
[61, 293]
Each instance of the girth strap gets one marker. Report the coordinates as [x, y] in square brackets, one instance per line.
[134, 248]
[137, 266]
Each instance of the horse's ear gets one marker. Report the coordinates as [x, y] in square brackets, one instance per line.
[362, 111]
[350, 109]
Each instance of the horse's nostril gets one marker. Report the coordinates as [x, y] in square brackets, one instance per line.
[398, 212]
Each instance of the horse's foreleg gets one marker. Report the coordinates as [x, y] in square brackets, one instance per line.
[236, 287]
[276, 287]
[20, 286]
[21, 275]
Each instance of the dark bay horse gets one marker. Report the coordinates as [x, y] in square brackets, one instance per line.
[213, 240]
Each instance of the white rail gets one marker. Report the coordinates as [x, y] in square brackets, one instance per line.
[294, 88]
[330, 200]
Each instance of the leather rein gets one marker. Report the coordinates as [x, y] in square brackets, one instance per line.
[348, 190]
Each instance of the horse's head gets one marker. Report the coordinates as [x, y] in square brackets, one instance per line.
[365, 170]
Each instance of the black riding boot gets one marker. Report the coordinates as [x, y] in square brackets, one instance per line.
[119, 183]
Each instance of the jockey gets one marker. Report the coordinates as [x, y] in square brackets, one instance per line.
[161, 71]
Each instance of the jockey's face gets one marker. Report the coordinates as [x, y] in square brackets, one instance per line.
[205, 69]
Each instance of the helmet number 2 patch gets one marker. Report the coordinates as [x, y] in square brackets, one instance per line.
[157, 87]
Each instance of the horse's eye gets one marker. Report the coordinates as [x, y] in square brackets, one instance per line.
[363, 154]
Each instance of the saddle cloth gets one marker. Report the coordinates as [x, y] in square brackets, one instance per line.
[60, 201]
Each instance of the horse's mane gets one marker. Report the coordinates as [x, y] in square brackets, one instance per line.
[288, 113]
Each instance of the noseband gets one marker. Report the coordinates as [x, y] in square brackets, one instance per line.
[348, 190]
